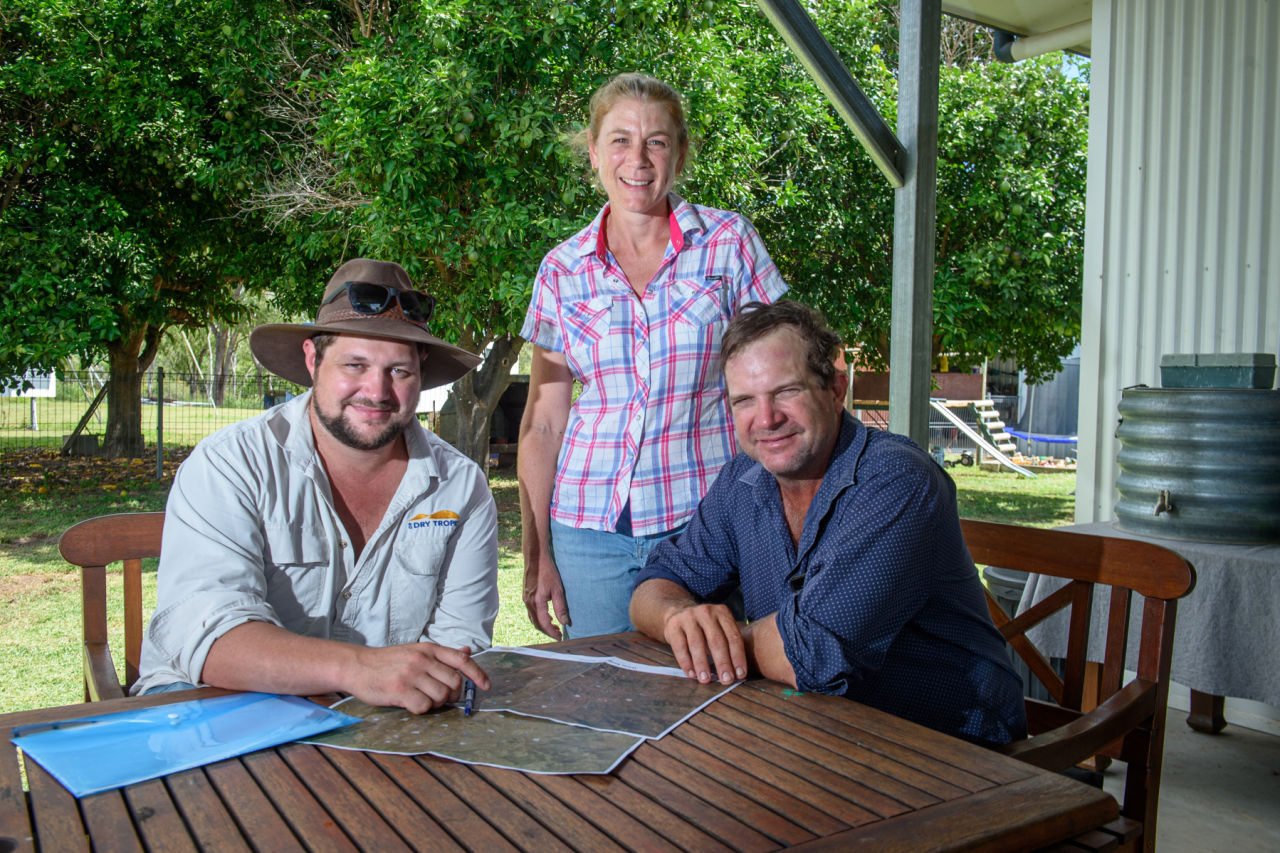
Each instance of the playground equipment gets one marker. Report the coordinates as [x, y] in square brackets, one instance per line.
[973, 435]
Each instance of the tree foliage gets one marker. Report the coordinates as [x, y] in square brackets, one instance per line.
[1010, 209]
[128, 140]
[437, 136]
[159, 158]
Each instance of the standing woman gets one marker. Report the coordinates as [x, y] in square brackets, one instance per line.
[633, 307]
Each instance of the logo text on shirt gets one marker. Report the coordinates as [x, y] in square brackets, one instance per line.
[440, 518]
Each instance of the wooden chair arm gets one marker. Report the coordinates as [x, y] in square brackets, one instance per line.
[1089, 733]
[100, 680]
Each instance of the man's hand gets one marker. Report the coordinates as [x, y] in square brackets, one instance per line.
[699, 632]
[542, 587]
[414, 676]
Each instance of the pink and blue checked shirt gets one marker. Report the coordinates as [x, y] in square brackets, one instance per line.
[651, 425]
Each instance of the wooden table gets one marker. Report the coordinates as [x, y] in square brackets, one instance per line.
[760, 769]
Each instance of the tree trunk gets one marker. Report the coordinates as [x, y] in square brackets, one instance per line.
[476, 398]
[129, 356]
[225, 339]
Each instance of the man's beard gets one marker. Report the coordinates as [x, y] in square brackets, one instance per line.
[338, 427]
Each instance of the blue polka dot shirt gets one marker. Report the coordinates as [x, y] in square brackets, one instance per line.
[880, 602]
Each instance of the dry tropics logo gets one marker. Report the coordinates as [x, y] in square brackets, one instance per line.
[439, 518]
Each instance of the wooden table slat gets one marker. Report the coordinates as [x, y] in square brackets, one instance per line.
[204, 811]
[784, 818]
[687, 832]
[841, 806]
[741, 830]
[464, 825]
[902, 784]
[837, 792]
[56, 813]
[492, 805]
[570, 822]
[159, 821]
[864, 764]
[1035, 813]
[308, 819]
[250, 807]
[907, 743]
[13, 799]
[394, 805]
[108, 821]
[342, 800]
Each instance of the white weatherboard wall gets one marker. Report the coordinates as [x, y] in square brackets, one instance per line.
[1182, 224]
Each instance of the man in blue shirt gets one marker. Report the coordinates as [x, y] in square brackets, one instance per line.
[846, 544]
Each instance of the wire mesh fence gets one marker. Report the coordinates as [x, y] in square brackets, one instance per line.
[178, 409]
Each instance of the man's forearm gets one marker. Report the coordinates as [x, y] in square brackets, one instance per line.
[653, 601]
[266, 658]
[766, 652]
[263, 657]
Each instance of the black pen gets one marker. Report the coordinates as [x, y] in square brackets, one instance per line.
[468, 696]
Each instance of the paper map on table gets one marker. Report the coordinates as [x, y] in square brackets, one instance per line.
[545, 713]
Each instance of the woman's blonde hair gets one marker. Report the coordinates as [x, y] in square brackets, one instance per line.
[641, 87]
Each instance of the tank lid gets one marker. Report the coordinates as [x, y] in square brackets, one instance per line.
[1218, 359]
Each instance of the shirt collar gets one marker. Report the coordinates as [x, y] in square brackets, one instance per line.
[683, 221]
[841, 472]
[848, 450]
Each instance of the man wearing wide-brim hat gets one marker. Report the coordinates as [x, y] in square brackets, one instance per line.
[332, 544]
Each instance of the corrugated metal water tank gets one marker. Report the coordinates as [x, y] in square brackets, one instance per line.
[1200, 463]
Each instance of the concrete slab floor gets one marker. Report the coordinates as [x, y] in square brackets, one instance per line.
[1217, 792]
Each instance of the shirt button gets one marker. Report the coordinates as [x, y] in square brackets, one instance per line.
[346, 595]
[342, 544]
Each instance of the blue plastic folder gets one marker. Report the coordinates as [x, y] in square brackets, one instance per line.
[95, 754]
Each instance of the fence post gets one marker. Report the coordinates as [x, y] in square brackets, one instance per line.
[159, 423]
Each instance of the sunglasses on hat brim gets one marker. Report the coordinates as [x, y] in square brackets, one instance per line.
[371, 298]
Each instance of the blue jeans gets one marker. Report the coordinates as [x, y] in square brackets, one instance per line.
[598, 570]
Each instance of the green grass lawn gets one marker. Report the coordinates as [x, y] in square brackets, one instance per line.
[41, 494]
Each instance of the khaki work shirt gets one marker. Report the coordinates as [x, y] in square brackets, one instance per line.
[251, 533]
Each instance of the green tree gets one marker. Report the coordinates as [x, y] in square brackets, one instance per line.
[436, 136]
[1010, 211]
[128, 141]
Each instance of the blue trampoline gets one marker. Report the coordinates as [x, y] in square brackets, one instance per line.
[1047, 439]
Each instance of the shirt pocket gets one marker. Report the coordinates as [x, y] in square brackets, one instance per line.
[586, 325]
[697, 326]
[415, 575]
[699, 303]
[300, 579]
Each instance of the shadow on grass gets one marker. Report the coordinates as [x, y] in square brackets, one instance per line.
[1031, 510]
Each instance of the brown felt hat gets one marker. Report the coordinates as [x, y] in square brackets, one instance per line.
[278, 346]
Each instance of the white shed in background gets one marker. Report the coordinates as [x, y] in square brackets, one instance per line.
[1182, 223]
[1182, 226]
